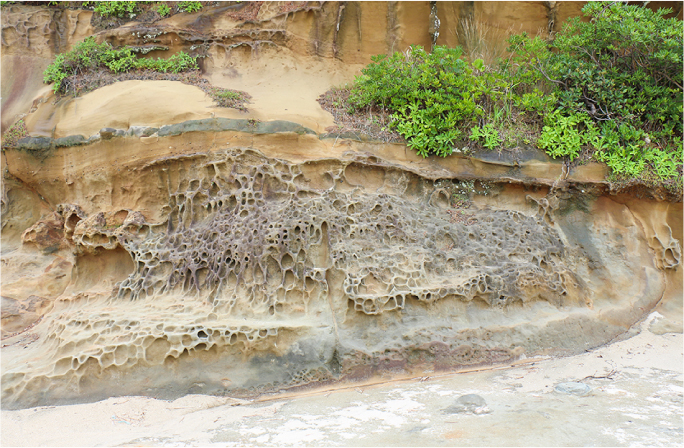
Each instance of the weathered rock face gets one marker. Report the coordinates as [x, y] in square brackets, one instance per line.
[258, 271]
[198, 251]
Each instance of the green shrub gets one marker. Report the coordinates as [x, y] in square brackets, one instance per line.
[487, 135]
[566, 135]
[163, 9]
[666, 163]
[116, 9]
[432, 96]
[614, 83]
[55, 73]
[88, 56]
[177, 63]
[609, 87]
[189, 6]
[623, 65]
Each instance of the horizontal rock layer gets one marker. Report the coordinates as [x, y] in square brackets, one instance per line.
[155, 244]
[235, 270]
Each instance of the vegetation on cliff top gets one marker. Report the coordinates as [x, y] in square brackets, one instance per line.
[132, 8]
[90, 65]
[88, 56]
[122, 9]
[609, 88]
[112, 14]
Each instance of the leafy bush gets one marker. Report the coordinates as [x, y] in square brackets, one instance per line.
[667, 163]
[87, 56]
[625, 64]
[177, 63]
[487, 134]
[189, 6]
[616, 87]
[55, 73]
[438, 99]
[608, 88]
[116, 9]
[163, 9]
[432, 97]
[567, 135]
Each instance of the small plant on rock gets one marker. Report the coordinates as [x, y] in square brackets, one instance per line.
[90, 65]
[15, 133]
[119, 9]
[163, 9]
[228, 98]
[189, 7]
[487, 135]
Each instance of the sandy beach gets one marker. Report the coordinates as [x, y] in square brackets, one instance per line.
[635, 399]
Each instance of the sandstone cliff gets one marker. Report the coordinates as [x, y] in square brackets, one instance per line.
[153, 243]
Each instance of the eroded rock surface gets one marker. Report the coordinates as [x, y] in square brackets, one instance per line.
[181, 250]
[265, 273]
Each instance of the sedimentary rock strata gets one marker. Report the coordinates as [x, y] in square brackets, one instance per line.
[177, 248]
[270, 273]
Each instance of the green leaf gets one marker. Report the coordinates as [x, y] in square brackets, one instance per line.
[479, 64]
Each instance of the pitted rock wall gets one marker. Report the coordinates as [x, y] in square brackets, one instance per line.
[192, 250]
[263, 273]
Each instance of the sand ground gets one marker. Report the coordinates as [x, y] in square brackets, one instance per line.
[635, 400]
[283, 86]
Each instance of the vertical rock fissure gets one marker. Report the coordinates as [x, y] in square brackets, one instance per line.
[392, 26]
[551, 14]
[340, 14]
[434, 24]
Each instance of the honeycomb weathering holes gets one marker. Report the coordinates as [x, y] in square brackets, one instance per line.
[251, 234]
[248, 246]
